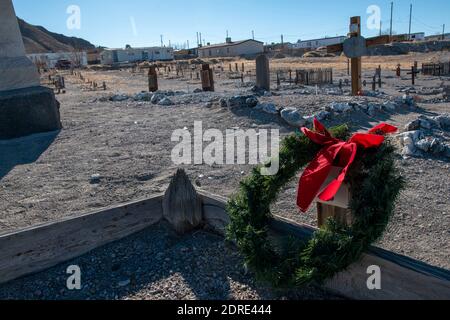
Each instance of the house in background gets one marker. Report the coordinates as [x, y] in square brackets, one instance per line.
[317, 43]
[50, 60]
[112, 56]
[438, 37]
[231, 49]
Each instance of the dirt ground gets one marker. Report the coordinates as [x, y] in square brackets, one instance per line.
[128, 144]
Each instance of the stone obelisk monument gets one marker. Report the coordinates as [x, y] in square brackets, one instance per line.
[25, 106]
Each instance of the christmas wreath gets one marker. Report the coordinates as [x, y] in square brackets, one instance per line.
[368, 167]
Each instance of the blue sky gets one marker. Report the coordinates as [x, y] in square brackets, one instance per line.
[114, 23]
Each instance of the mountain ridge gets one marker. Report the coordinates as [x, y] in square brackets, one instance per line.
[38, 39]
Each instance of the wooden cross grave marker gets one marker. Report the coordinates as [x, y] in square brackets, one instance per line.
[355, 47]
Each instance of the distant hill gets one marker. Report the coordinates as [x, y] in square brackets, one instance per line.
[39, 40]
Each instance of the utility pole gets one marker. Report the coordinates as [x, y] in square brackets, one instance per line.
[227, 34]
[188, 44]
[200, 38]
[410, 18]
[169, 44]
[443, 32]
[253, 34]
[381, 27]
[197, 39]
[162, 42]
[392, 16]
[282, 40]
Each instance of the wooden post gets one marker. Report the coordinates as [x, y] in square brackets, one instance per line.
[278, 79]
[263, 72]
[355, 31]
[413, 75]
[374, 83]
[348, 67]
[182, 206]
[152, 79]
[207, 78]
[339, 207]
[243, 67]
[104, 85]
[399, 70]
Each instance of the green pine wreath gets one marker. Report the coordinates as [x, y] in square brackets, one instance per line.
[375, 184]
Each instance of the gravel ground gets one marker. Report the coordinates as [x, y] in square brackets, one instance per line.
[46, 177]
[155, 264]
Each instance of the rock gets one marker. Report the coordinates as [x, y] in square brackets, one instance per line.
[309, 120]
[389, 106]
[223, 103]
[414, 135]
[426, 124]
[413, 126]
[251, 102]
[197, 90]
[208, 105]
[437, 147]
[322, 115]
[408, 100]
[409, 148]
[238, 101]
[443, 121]
[340, 107]
[269, 108]
[143, 96]
[447, 152]
[293, 117]
[119, 97]
[95, 179]
[156, 98]
[165, 102]
[423, 145]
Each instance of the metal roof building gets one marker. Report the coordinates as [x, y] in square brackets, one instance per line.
[232, 49]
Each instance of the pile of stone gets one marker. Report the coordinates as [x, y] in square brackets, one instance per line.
[426, 135]
[244, 101]
[296, 118]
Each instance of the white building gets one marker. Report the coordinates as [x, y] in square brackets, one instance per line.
[49, 60]
[111, 56]
[317, 43]
[438, 37]
[232, 49]
[418, 36]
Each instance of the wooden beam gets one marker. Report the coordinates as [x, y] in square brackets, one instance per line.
[41, 247]
[370, 42]
[402, 277]
[356, 63]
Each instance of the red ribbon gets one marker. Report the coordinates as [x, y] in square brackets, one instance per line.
[334, 153]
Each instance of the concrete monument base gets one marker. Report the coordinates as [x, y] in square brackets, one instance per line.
[18, 73]
[28, 111]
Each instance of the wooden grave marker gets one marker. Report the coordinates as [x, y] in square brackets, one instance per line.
[355, 47]
[263, 72]
[152, 79]
[207, 78]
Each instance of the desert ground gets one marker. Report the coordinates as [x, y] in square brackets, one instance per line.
[115, 148]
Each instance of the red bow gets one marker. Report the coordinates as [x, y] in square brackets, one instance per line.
[334, 149]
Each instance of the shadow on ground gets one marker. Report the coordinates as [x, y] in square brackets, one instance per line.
[23, 150]
[152, 265]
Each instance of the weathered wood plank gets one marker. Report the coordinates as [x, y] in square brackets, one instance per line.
[402, 277]
[37, 248]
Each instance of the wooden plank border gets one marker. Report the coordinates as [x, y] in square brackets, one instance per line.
[41, 247]
[38, 248]
[402, 277]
